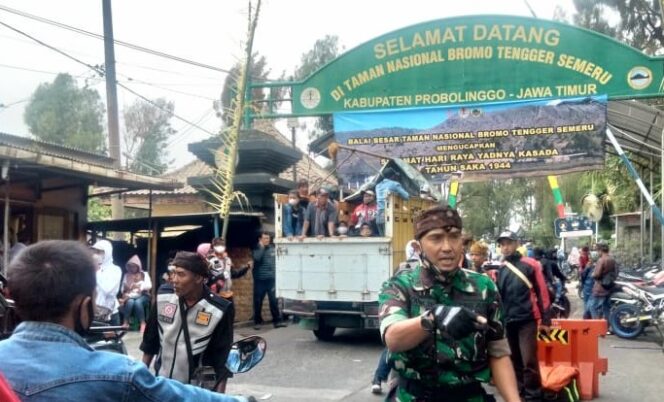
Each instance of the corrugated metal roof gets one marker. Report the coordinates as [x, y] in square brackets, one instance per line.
[60, 151]
[193, 169]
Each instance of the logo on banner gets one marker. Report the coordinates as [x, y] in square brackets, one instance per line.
[639, 77]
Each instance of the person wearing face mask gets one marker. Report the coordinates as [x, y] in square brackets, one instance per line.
[365, 212]
[222, 269]
[442, 325]
[136, 288]
[342, 229]
[109, 276]
[292, 216]
[46, 359]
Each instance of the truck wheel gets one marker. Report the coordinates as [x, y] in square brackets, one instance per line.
[324, 332]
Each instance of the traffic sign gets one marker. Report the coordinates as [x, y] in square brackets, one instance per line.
[573, 226]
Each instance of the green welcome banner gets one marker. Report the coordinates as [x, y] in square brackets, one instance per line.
[478, 59]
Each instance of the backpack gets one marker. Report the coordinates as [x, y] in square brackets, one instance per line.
[609, 278]
[559, 383]
[569, 393]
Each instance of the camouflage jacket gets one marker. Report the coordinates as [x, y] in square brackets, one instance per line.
[440, 361]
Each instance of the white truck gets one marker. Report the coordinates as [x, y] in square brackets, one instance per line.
[334, 282]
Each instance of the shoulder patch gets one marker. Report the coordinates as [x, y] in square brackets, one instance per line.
[165, 289]
[217, 301]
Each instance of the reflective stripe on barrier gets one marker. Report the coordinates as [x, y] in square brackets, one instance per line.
[555, 335]
[575, 343]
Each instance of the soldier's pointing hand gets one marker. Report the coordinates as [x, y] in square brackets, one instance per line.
[455, 321]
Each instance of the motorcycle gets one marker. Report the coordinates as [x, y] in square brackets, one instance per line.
[645, 307]
[244, 355]
[104, 337]
[561, 306]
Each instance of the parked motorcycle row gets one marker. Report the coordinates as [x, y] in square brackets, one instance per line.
[638, 302]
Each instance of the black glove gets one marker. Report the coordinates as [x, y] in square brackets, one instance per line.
[455, 321]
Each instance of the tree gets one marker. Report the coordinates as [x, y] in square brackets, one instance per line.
[147, 129]
[324, 51]
[488, 207]
[258, 72]
[98, 211]
[64, 114]
[639, 22]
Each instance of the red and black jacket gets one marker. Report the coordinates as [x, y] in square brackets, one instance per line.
[519, 302]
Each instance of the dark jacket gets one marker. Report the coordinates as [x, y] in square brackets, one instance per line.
[551, 271]
[265, 261]
[520, 303]
[292, 220]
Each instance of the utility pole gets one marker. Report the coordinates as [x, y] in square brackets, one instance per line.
[117, 211]
[292, 123]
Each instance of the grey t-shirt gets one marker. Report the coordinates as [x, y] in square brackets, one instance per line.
[318, 218]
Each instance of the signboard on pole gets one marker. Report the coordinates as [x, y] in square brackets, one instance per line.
[573, 226]
[478, 59]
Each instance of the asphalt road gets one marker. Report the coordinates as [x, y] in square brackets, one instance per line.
[298, 368]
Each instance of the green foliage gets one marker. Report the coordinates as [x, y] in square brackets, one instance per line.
[147, 130]
[62, 113]
[98, 211]
[635, 22]
[324, 51]
[613, 185]
[258, 72]
[487, 207]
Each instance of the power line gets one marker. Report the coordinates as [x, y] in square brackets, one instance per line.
[141, 82]
[119, 42]
[126, 88]
[28, 69]
[101, 74]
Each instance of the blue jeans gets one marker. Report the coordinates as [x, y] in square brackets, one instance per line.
[384, 367]
[600, 307]
[587, 308]
[135, 307]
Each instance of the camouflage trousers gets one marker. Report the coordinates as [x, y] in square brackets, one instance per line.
[409, 391]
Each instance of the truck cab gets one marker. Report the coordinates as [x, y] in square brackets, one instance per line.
[334, 282]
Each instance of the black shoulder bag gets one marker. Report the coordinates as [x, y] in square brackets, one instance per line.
[204, 376]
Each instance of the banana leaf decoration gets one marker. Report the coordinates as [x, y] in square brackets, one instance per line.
[226, 155]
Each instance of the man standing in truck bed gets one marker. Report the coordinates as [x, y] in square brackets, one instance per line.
[387, 185]
[442, 324]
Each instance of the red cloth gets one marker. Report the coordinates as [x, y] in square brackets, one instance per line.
[364, 212]
[540, 283]
[6, 392]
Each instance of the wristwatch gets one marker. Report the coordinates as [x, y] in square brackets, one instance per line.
[426, 321]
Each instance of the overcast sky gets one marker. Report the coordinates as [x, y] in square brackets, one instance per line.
[206, 31]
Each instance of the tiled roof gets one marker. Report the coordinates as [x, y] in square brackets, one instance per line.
[306, 167]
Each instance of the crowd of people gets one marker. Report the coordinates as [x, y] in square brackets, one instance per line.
[452, 317]
[447, 317]
[304, 216]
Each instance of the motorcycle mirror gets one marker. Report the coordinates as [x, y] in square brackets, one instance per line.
[245, 354]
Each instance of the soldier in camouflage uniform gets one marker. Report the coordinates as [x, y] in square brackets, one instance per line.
[442, 324]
